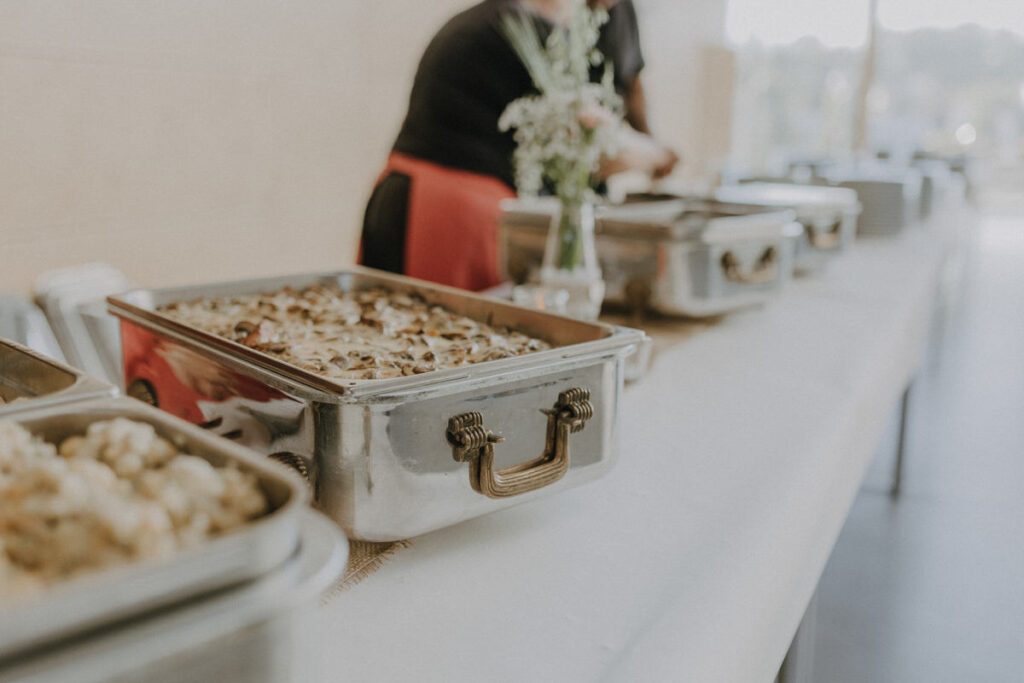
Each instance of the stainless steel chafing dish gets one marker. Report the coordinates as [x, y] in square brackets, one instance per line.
[29, 379]
[677, 257]
[261, 631]
[827, 214]
[394, 458]
[113, 594]
[890, 198]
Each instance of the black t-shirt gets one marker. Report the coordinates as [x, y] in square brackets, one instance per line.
[469, 74]
[620, 44]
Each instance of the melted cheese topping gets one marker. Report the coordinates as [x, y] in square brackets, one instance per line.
[367, 334]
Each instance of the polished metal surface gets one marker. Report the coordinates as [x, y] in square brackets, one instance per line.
[113, 594]
[258, 632]
[690, 262]
[29, 380]
[375, 450]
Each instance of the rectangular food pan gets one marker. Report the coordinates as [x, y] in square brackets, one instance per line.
[262, 631]
[108, 595]
[393, 458]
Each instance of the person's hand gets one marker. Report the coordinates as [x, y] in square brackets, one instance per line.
[593, 116]
[640, 152]
[666, 164]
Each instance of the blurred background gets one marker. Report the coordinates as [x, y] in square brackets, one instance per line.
[162, 136]
[175, 139]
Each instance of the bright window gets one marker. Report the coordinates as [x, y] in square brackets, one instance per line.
[949, 77]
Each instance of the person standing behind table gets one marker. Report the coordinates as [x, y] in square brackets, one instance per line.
[435, 209]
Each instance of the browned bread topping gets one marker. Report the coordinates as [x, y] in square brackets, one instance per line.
[366, 334]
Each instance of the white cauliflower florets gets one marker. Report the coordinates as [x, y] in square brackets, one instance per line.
[128, 447]
[117, 494]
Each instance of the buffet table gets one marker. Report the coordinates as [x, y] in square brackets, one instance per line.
[741, 452]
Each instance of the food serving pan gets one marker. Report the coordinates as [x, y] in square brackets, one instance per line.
[394, 458]
[258, 632]
[693, 258]
[29, 380]
[828, 216]
[116, 593]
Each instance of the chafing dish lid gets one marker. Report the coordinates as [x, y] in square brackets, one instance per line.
[662, 217]
[790, 196]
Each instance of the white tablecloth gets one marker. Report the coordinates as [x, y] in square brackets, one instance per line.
[694, 559]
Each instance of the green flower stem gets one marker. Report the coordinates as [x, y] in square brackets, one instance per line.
[570, 236]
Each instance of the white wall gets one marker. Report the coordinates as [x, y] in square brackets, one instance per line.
[689, 78]
[185, 140]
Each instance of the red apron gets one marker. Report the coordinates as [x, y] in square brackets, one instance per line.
[452, 226]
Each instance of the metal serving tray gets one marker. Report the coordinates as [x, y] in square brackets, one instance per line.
[29, 380]
[259, 632]
[827, 214]
[700, 258]
[395, 458]
[120, 592]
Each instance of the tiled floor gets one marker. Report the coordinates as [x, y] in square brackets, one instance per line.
[930, 588]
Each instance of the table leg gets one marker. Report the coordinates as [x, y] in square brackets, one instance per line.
[901, 443]
[798, 666]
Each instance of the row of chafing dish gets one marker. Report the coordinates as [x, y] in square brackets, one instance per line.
[384, 456]
[709, 255]
[892, 195]
[385, 459]
[394, 458]
[235, 605]
[698, 256]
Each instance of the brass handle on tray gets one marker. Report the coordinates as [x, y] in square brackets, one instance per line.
[472, 442]
[765, 271]
[825, 239]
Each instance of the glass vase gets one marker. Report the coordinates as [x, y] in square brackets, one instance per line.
[570, 259]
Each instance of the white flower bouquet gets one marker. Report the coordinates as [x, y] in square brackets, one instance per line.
[562, 133]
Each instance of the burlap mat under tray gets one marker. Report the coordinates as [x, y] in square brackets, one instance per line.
[364, 558]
